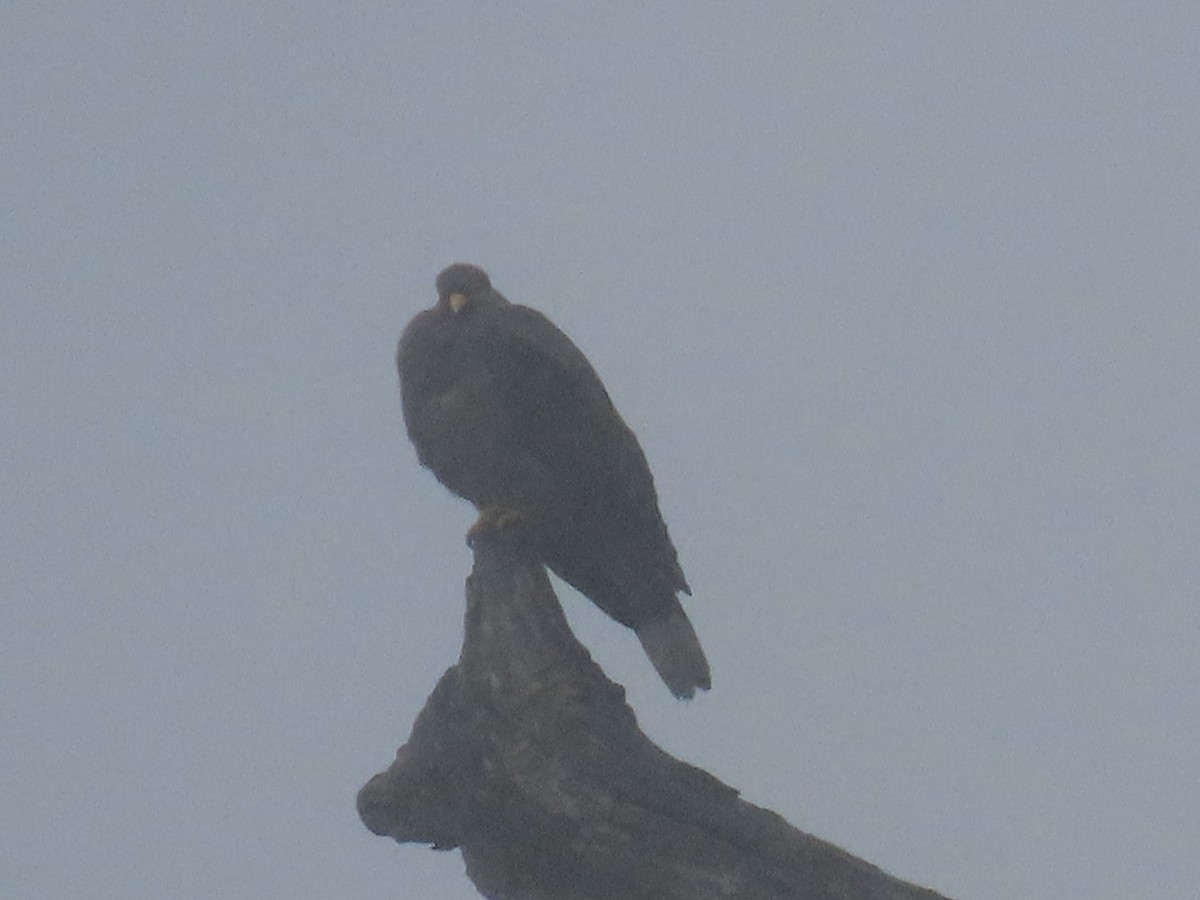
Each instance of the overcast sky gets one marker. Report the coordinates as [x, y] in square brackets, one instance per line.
[900, 297]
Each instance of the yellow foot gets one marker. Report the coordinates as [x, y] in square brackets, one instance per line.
[493, 518]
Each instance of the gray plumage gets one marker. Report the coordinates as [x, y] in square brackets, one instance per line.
[508, 413]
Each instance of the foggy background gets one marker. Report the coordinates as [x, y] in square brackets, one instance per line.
[901, 299]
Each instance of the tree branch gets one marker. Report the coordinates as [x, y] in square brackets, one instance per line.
[528, 759]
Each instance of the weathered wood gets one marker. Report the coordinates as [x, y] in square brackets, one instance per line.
[528, 759]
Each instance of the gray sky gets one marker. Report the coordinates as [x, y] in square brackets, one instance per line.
[900, 297]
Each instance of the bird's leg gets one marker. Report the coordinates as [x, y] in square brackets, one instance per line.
[493, 518]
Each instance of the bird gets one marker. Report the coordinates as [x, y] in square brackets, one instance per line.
[508, 413]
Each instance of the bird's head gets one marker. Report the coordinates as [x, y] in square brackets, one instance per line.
[459, 286]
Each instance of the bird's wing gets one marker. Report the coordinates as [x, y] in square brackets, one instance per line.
[563, 416]
[561, 409]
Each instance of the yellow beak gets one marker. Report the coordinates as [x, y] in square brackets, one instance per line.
[457, 302]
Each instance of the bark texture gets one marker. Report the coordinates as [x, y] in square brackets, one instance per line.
[528, 759]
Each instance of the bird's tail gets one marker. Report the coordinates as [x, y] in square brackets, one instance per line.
[673, 647]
